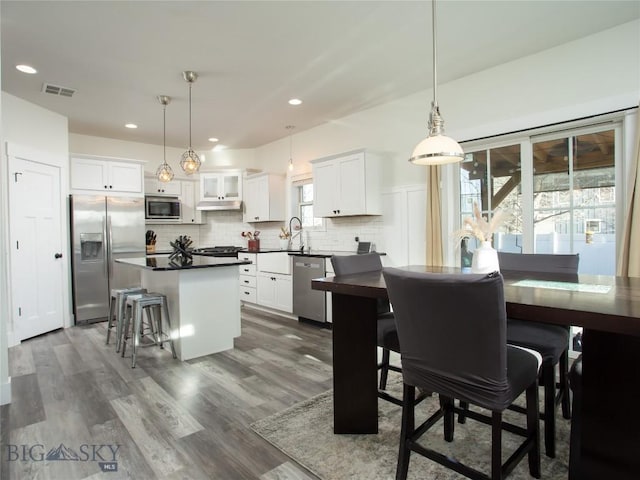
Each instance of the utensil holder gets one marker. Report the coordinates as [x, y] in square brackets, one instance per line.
[253, 245]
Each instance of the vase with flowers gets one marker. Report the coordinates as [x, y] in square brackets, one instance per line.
[284, 236]
[253, 242]
[485, 257]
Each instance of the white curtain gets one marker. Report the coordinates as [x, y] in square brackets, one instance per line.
[629, 256]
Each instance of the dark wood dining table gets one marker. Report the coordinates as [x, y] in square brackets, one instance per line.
[607, 307]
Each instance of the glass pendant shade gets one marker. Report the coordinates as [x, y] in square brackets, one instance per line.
[164, 173]
[437, 148]
[190, 162]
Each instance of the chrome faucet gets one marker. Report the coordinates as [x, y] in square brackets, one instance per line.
[298, 234]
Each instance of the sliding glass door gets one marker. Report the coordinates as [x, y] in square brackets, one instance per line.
[559, 189]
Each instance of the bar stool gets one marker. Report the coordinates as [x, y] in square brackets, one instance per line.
[117, 309]
[155, 304]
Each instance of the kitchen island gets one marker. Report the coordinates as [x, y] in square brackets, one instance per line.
[203, 298]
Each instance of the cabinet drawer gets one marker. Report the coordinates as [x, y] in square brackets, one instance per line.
[248, 294]
[246, 281]
[248, 270]
[247, 256]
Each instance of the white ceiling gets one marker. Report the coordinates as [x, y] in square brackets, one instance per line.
[339, 57]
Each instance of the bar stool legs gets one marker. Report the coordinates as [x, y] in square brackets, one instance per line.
[155, 306]
[116, 310]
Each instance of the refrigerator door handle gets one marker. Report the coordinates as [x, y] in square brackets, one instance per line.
[107, 260]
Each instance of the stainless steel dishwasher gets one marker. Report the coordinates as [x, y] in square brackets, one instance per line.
[307, 303]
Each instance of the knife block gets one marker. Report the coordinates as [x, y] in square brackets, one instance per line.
[151, 248]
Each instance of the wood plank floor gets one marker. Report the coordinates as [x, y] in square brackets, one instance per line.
[167, 419]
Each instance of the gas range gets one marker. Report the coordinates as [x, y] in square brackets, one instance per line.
[218, 251]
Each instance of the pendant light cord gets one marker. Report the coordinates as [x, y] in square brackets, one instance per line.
[190, 148]
[435, 57]
[164, 132]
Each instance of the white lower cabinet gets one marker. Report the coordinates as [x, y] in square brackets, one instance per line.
[275, 291]
[248, 278]
[267, 281]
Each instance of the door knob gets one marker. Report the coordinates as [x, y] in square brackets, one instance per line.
[58, 255]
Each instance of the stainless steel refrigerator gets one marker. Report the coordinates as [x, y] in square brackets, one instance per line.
[102, 230]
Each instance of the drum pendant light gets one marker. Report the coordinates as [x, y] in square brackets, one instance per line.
[437, 148]
[190, 162]
[164, 172]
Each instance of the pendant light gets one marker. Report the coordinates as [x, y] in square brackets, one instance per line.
[164, 173]
[437, 148]
[190, 162]
[290, 128]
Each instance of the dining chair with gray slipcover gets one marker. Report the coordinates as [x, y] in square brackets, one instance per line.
[552, 341]
[453, 341]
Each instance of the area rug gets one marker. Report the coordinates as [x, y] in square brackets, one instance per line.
[305, 433]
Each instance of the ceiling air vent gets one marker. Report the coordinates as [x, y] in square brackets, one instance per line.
[57, 90]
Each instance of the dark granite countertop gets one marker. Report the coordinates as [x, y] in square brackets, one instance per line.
[160, 263]
[306, 253]
[324, 253]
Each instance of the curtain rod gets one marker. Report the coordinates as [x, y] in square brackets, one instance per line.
[564, 122]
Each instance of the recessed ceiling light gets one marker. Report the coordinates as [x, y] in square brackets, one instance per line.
[213, 139]
[26, 69]
[295, 101]
[131, 125]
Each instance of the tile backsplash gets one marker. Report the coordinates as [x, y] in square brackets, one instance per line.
[225, 228]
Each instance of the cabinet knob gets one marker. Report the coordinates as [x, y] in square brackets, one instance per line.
[105, 186]
[256, 218]
[57, 255]
[110, 186]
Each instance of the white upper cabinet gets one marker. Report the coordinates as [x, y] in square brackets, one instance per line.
[154, 187]
[221, 185]
[264, 198]
[189, 199]
[106, 175]
[346, 185]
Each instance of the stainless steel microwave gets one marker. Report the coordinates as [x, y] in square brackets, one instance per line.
[162, 208]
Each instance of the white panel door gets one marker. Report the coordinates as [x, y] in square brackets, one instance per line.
[404, 229]
[417, 225]
[36, 247]
[394, 228]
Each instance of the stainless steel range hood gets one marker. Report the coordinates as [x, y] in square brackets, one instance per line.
[219, 205]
